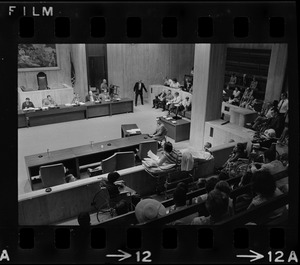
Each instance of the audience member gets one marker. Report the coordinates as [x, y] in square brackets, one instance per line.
[236, 93]
[175, 103]
[254, 83]
[160, 131]
[264, 186]
[207, 147]
[246, 96]
[90, 97]
[265, 114]
[217, 207]
[149, 209]
[223, 186]
[167, 99]
[276, 123]
[167, 81]
[170, 155]
[232, 100]
[49, 102]
[138, 89]
[209, 186]
[283, 104]
[244, 80]
[121, 207]
[158, 99]
[180, 199]
[239, 151]
[104, 86]
[27, 104]
[112, 188]
[174, 83]
[271, 164]
[266, 139]
[84, 219]
[232, 81]
[186, 105]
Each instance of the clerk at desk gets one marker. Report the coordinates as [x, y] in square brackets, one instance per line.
[27, 104]
[48, 102]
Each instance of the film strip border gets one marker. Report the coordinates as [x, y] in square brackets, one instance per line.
[148, 22]
[183, 244]
[140, 23]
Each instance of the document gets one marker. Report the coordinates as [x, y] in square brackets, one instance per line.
[152, 156]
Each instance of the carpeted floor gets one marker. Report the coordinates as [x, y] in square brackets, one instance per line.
[69, 134]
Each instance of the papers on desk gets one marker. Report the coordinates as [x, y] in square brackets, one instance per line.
[152, 156]
[169, 118]
[68, 104]
[133, 131]
[81, 103]
[174, 122]
[44, 108]
[107, 100]
[28, 109]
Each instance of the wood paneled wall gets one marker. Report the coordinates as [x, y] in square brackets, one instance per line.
[128, 63]
[55, 77]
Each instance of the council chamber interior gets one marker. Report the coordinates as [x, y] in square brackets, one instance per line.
[67, 149]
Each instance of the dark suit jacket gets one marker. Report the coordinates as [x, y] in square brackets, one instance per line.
[136, 88]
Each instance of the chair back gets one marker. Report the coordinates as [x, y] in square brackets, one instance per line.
[125, 160]
[144, 148]
[109, 164]
[52, 175]
[42, 81]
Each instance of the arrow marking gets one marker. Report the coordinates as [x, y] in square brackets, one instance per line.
[122, 256]
[255, 257]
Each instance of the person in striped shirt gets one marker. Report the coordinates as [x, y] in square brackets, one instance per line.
[170, 155]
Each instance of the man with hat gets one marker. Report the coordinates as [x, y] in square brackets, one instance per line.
[149, 209]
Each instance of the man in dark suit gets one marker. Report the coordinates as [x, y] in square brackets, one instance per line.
[138, 89]
[27, 104]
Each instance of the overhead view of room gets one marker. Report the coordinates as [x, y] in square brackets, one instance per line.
[153, 134]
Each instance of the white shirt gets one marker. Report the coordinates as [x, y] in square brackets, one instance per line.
[176, 101]
[283, 105]
[186, 103]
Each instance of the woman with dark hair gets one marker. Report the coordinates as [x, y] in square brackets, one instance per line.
[264, 185]
[239, 151]
[217, 206]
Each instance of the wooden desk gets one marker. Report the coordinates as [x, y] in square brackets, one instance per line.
[125, 127]
[97, 109]
[78, 156]
[71, 113]
[62, 114]
[178, 131]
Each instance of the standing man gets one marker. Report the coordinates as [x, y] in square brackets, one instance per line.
[103, 86]
[138, 89]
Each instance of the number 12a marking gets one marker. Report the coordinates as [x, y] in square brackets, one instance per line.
[146, 254]
[279, 255]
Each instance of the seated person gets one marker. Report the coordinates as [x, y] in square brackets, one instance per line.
[185, 105]
[180, 199]
[237, 152]
[264, 185]
[90, 97]
[103, 96]
[167, 81]
[175, 103]
[266, 139]
[158, 99]
[246, 96]
[232, 81]
[209, 186]
[236, 93]
[276, 123]
[121, 207]
[112, 187]
[265, 114]
[27, 104]
[232, 100]
[48, 102]
[174, 83]
[167, 99]
[207, 147]
[254, 83]
[160, 132]
[271, 164]
[103, 86]
[223, 186]
[217, 207]
[149, 209]
[76, 99]
[170, 155]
